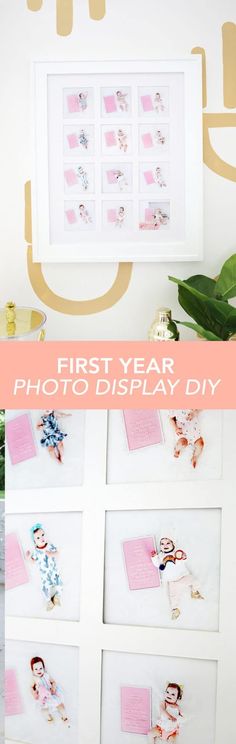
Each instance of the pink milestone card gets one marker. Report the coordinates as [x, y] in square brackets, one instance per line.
[71, 216]
[111, 215]
[20, 439]
[148, 215]
[111, 176]
[135, 710]
[110, 138]
[141, 572]
[73, 104]
[110, 104]
[15, 573]
[147, 140]
[147, 103]
[143, 427]
[148, 175]
[73, 140]
[13, 702]
[70, 177]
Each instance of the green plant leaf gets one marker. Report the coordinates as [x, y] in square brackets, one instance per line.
[225, 286]
[213, 315]
[203, 283]
[200, 331]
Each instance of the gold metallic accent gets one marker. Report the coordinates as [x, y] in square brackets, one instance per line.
[201, 51]
[61, 304]
[229, 64]
[42, 335]
[64, 17]
[97, 9]
[211, 159]
[34, 4]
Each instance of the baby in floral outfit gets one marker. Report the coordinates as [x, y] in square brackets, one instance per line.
[44, 555]
[187, 430]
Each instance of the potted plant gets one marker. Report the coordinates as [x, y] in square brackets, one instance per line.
[206, 301]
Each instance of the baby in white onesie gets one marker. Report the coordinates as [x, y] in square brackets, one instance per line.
[175, 574]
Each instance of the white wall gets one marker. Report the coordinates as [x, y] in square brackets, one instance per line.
[132, 29]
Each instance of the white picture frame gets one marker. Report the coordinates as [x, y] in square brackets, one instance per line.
[117, 174]
[93, 499]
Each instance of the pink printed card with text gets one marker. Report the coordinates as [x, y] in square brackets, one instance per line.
[141, 572]
[70, 177]
[72, 140]
[13, 701]
[71, 216]
[111, 176]
[148, 215]
[15, 571]
[20, 440]
[73, 104]
[143, 427]
[111, 215]
[136, 710]
[147, 140]
[147, 103]
[110, 138]
[149, 178]
[110, 104]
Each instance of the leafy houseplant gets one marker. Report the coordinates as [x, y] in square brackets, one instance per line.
[206, 301]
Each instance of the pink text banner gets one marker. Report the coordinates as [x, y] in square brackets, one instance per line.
[110, 374]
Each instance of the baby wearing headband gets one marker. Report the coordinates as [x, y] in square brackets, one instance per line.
[44, 555]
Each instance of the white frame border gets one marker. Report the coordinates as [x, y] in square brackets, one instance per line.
[192, 68]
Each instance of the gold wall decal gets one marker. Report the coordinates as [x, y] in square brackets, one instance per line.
[34, 4]
[64, 17]
[61, 304]
[64, 10]
[200, 50]
[97, 9]
[216, 120]
[229, 64]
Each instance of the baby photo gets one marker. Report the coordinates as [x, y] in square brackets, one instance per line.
[153, 139]
[154, 177]
[78, 141]
[153, 103]
[40, 551]
[80, 215]
[150, 445]
[117, 216]
[79, 178]
[163, 578]
[154, 215]
[146, 699]
[116, 102]
[45, 449]
[78, 103]
[117, 177]
[41, 693]
[117, 140]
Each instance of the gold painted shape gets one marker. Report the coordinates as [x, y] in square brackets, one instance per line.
[25, 322]
[229, 64]
[64, 17]
[211, 158]
[97, 9]
[201, 51]
[61, 304]
[34, 4]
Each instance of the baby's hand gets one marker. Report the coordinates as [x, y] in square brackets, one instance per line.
[28, 555]
[153, 553]
[179, 430]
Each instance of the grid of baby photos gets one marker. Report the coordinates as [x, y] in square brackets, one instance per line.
[112, 177]
[101, 145]
[120, 615]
